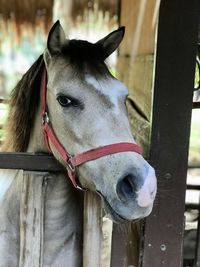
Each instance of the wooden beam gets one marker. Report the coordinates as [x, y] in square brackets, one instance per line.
[29, 161]
[173, 91]
[131, 12]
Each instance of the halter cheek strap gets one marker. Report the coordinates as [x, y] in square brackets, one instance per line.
[73, 161]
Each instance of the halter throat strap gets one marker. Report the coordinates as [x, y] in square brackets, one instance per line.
[73, 161]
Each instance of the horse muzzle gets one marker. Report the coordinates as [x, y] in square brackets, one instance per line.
[133, 198]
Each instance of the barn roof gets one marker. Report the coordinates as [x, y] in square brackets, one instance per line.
[26, 11]
[34, 12]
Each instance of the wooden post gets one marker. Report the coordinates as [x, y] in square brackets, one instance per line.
[31, 219]
[173, 91]
[92, 230]
[119, 246]
[106, 243]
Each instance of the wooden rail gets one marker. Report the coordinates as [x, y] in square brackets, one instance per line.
[193, 187]
[196, 105]
[194, 166]
[29, 162]
[92, 209]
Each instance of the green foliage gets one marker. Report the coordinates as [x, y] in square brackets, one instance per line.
[197, 78]
[3, 117]
[1, 134]
[3, 113]
[194, 154]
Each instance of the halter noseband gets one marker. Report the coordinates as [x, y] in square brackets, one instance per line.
[72, 161]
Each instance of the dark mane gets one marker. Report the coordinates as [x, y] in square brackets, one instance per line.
[24, 103]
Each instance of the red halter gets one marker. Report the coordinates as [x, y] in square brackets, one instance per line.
[72, 161]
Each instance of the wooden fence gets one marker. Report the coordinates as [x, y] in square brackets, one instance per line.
[34, 168]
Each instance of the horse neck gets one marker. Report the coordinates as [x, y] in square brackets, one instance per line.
[63, 218]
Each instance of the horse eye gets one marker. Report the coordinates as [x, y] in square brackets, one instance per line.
[64, 101]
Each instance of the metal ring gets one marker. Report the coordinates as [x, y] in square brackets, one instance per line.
[69, 164]
[45, 118]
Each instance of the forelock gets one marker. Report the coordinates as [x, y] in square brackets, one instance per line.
[85, 57]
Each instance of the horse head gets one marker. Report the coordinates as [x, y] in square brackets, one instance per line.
[87, 109]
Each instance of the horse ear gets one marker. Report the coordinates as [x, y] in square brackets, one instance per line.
[56, 39]
[111, 42]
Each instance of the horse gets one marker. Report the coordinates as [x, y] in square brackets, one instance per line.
[69, 104]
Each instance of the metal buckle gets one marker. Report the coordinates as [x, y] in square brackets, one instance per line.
[45, 118]
[69, 164]
[72, 168]
[80, 188]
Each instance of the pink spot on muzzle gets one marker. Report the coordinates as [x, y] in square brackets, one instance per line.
[147, 193]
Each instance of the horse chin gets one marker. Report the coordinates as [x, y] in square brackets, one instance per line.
[112, 214]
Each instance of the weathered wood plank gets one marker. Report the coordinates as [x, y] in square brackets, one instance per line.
[29, 161]
[173, 91]
[140, 128]
[135, 64]
[106, 247]
[138, 78]
[197, 252]
[131, 14]
[32, 219]
[92, 230]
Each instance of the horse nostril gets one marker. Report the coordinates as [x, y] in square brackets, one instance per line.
[126, 188]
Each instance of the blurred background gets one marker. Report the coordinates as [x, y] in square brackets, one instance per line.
[24, 26]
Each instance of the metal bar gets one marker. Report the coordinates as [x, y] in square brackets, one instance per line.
[194, 166]
[196, 105]
[191, 206]
[174, 80]
[29, 161]
[193, 187]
